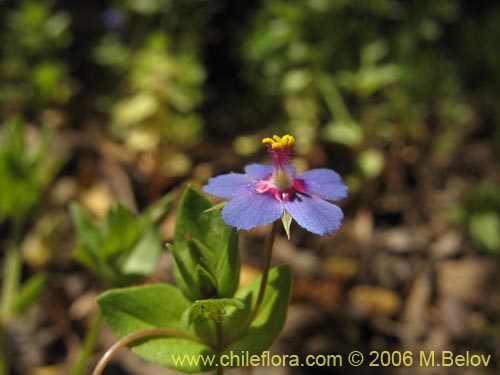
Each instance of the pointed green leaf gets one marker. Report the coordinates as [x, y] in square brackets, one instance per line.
[128, 310]
[206, 282]
[227, 267]
[89, 248]
[88, 232]
[200, 250]
[122, 252]
[184, 277]
[89, 242]
[120, 231]
[215, 247]
[94, 261]
[143, 258]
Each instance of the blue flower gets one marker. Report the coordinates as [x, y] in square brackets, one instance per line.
[265, 192]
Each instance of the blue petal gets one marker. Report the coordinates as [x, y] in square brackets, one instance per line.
[229, 185]
[252, 210]
[314, 214]
[323, 183]
[258, 171]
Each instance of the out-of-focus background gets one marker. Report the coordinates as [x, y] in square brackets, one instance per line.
[128, 100]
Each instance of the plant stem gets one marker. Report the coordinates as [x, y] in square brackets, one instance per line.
[265, 273]
[124, 341]
[219, 345]
[219, 336]
[88, 346]
[10, 286]
[263, 283]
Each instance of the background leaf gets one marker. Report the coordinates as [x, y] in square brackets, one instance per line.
[144, 256]
[120, 231]
[30, 292]
[124, 251]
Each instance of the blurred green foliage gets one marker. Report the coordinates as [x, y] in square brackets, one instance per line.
[163, 93]
[154, 55]
[125, 249]
[480, 214]
[369, 75]
[26, 168]
[33, 71]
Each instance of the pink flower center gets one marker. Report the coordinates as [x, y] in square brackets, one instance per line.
[269, 186]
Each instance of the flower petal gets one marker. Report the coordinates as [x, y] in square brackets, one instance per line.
[323, 183]
[314, 214]
[252, 210]
[229, 185]
[258, 171]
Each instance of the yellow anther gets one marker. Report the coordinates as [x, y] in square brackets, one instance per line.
[280, 142]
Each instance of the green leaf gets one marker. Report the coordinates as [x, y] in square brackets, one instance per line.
[122, 253]
[29, 292]
[21, 165]
[203, 238]
[207, 283]
[128, 310]
[120, 231]
[144, 256]
[90, 239]
[184, 277]
[88, 233]
[200, 251]
[270, 318]
[227, 266]
[93, 261]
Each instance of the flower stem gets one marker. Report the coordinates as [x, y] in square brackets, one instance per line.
[265, 273]
[88, 346]
[219, 336]
[263, 284]
[124, 341]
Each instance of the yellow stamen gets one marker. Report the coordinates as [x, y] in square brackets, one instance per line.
[280, 142]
